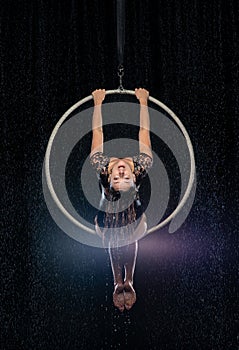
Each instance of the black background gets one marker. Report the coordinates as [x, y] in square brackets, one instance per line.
[57, 293]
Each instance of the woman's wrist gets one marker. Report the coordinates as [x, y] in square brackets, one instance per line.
[97, 103]
[143, 101]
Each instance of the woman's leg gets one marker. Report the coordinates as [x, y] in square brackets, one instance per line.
[116, 259]
[130, 255]
[124, 295]
[129, 265]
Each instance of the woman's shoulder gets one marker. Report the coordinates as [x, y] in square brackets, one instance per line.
[142, 161]
[99, 161]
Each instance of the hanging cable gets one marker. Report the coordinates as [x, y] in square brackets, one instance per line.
[120, 39]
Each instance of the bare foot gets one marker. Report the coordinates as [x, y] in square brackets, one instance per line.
[129, 295]
[118, 296]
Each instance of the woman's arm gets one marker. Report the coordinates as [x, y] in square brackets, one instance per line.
[144, 131]
[97, 131]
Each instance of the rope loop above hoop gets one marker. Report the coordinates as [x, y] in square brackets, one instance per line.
[120, 75]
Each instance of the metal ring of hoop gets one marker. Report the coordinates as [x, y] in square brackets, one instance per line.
[109, 92]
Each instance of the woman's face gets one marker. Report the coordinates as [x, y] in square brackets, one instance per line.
[122, 178]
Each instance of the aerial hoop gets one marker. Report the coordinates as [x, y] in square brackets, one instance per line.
[110, 92]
